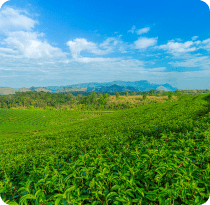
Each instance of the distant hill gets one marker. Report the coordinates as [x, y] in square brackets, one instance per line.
[43, 89]
[114, 86]
[69, 89]
[142, 85]
[8, 90]
[162, 88]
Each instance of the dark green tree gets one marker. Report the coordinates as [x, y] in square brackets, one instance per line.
[106, 95]
[144, 96]
[117, 95]
[101, 100]
[69, 95]
[93, 97]
[151, 92]
[169, 96]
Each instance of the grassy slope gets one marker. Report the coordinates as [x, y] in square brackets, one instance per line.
[112, 132]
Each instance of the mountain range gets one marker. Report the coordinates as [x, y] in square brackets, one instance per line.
[114, 86]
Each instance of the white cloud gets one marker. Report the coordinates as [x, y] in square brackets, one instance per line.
[112, 43]
[193, 61]
[175, 47]
[13, 20]
[122, 49]
[30, 46]
[207, 41]
[197, 42]
[157, 69]
[143, 30]
[20, 40]
[139, 31]
[93, 60]
[8, 50]
[205, 44]
[132, 29]
[194, 38]
[108, 46]
[145, 42]
[112, 65]
[81, 44]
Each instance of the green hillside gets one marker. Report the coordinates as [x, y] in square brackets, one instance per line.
[153, 154]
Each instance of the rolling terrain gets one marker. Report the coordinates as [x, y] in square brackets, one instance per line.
[157, 153]
[115, 86]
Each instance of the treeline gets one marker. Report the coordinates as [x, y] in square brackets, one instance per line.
[46, 100]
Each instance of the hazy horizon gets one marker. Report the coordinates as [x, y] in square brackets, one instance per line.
[52, 43]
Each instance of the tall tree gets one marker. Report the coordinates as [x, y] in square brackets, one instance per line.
[169, 96]
[106, 95]
[144, 96]
[117, 95]
[93, 97]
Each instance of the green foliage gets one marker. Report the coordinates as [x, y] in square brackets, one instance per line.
[106, 95]
[62, 100]
[31, 107]
[117, 95]
[170, 96]
[47, 108]
[144, 96]
[178, 92]
[153, 154]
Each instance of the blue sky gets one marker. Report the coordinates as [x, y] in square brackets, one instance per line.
[45, 43]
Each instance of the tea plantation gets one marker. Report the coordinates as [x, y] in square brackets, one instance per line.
[149, 155]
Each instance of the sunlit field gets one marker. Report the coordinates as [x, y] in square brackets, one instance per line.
[157, 153]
